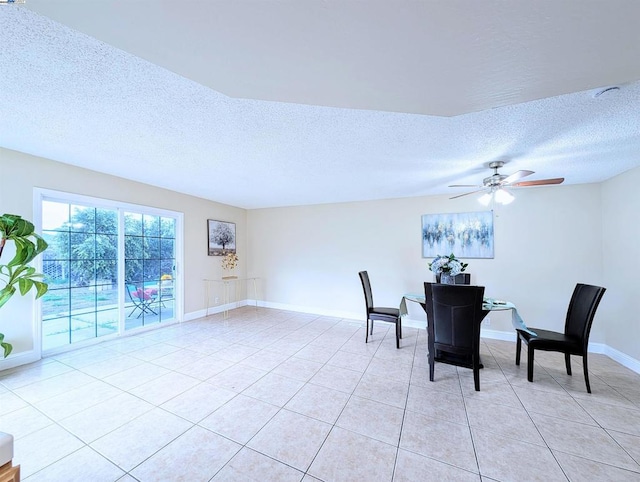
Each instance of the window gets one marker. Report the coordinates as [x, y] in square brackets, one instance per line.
[149, 261]
[110, 268]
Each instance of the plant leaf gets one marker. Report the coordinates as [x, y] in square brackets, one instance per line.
[6, 347]
[41, 288]
[6, 293]
[25, 285]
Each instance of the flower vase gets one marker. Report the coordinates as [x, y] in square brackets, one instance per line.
[446, 278]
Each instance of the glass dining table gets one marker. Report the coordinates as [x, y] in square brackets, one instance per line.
[488, 304]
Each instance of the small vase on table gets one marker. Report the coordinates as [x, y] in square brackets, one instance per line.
[446, 278]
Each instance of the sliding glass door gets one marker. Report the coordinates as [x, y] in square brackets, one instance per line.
[109, 269]
[149, 265]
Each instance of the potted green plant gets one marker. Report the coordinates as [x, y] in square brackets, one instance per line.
[17, 274]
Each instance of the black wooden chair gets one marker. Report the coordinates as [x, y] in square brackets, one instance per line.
[389, 315]
[454, 314]
[575, 339]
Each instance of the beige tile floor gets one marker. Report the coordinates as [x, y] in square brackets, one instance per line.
[275, 395]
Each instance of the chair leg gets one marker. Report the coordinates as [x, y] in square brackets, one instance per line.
[397, 335]
[518, 348]
[432, 361]
[476, 372]
[366, 332]
[530, 363]
[371, 327]
[586, 372]
[567, 361]
[400, 327]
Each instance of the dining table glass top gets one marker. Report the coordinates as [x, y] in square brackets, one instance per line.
[488, 304]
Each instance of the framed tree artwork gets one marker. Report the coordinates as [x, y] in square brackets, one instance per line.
[221, 237]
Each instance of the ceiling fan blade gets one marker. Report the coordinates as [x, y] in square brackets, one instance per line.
[464, 185]
[466, 194]
[515, 176]
[541, 182]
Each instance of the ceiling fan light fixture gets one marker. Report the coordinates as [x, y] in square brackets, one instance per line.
[503, 197]
[485, 199]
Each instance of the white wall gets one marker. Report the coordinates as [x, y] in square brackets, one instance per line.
[21, 173]
[545, 242]
[308, 257]
[621, 261]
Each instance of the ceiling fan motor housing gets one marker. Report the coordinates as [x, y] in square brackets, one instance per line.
[494, 180]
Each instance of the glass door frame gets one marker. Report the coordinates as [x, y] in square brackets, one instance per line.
[41, 195]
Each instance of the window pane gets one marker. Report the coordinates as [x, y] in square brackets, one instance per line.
[82, 219]
[167, 309]
[56, 274]
[55, 216]
[152, 270]
[133, 224]
[133, 270]
[83, 246]
[167, 267]
[106, 296]
[107, 272]
[133, 247]
[58, 245]
[166, 248]
[83, 326]
[55, 332]
[108, 321]
[55, 303]
[151, 225]
[168, 228]
[82, 273]
[106, 246]
[152, 248]
[106, 221]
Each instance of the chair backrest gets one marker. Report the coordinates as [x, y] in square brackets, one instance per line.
[132, 290]
[462, 279]
[454, 314]
[135, 294]
[582, 309]
[366, 286]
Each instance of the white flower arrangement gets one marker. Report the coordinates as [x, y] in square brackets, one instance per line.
[229, 261]
[447, 264]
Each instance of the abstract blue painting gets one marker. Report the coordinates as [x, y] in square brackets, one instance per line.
[467, 235]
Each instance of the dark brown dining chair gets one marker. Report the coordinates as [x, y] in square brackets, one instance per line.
[575, 339]
[454, 314]
[377, 313]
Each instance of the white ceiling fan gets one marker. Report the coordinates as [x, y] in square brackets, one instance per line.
[494, 185]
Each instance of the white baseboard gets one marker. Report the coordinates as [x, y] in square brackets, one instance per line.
[497, 335]
[19, 359]
[411, 323]
[214, 310]
[622, 358]
[194, 315]
[305, 309]
[597, 348]
[618, 356]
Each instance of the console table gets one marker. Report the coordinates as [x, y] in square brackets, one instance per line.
[231, 290]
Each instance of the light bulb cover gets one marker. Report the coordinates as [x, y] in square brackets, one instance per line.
[485, 199]
[504, 197]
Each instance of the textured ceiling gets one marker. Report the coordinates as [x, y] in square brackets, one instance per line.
[167, 93]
